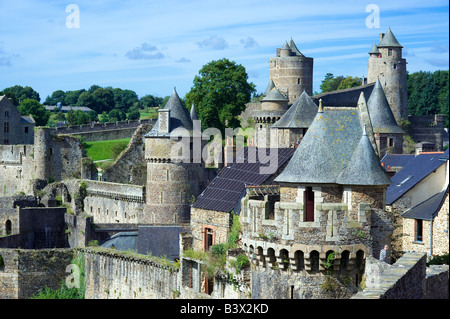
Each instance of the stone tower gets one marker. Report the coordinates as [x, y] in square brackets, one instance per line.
[173, 176]
[386, 63]
[291, 71]
[273, 106]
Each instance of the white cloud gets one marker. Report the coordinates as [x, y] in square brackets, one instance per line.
[249, 42]
[213, 43]
[145, 52]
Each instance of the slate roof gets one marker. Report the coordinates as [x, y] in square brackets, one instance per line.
[415, 171]
[269, 87]
[429, 208]
[383, 120]
[364, 167]
[226, 190]
[326, 148]
[299, 115]
[274, 95]
[179, 117]
[193, 113]
[28, 119]
[123, 241]
[389, 41]
[397, 160]
[374, 49]
[294, 48]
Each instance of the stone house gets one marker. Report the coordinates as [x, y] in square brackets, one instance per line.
[417, 197]
[14, 128]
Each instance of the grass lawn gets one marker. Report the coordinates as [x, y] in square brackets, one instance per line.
[101, 150]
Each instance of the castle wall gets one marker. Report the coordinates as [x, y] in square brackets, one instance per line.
[112, 275]
[110, 203]
[25, 272]
[406, 279]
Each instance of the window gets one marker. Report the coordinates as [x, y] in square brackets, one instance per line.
[389, 52]
[6, 113]
[8, 227]
[394, 66]
[309, 204]
[6, 142]
[390, 142]
[6, 127]
[314, 256]
[208, 238]
[26, 129]
[419, 230]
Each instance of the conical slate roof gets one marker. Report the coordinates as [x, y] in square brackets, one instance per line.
[364, 167]
[194, 115]
[299, 115]
[274, 95]
[326, 149]
[269, 87]
[286, 46]
[383, 120]
[389, 41]
[374, 49]
[179, 116]
[294, 48]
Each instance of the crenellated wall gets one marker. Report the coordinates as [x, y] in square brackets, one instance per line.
[116, 275]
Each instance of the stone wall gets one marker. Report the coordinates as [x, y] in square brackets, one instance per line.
[115, 275]
[105, 131]
[218, 222]
[114, 203]
[25, 272]
[406, 279]
[130, 166]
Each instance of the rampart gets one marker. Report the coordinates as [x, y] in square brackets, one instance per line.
[103, 131]
[125, 275]
[114, 203]
[406, 279]
[23, 272]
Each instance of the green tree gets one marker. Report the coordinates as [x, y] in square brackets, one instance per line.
[349, 82]
[37, 110]
[220, 93]
[19, 93]
[72, 97]
[124, 99]
[150, 101]
[331, 83]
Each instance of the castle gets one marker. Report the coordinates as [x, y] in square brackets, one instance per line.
[310, 228]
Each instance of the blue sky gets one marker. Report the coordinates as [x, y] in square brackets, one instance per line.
[153, 46]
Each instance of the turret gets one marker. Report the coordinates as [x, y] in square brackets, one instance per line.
[387, 65]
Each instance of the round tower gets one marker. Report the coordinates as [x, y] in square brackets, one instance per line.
[387, 64]
[291, 71]
[273, 106]
[42, 149]
[175, 176]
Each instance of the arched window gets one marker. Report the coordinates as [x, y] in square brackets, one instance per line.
[359, 263]
[345, 257]
[284, 256]
[271, 256]
[299, 257]
[8, 227]
[260, 252]
[314, 259]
